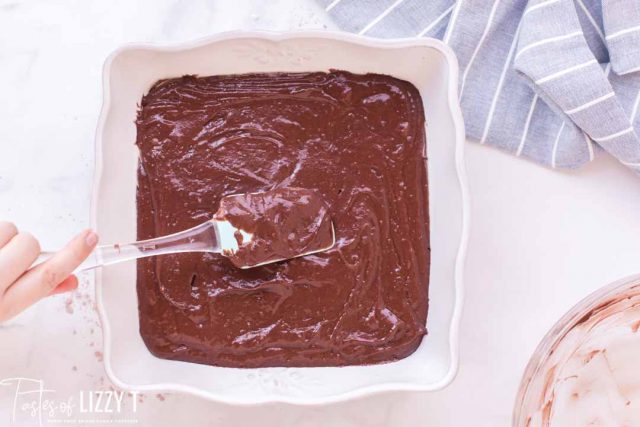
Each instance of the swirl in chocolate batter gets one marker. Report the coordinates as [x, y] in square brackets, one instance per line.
[358, 141]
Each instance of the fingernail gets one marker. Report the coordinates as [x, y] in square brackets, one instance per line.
[91, 239]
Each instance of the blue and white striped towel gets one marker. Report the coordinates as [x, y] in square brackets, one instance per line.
[544, 79]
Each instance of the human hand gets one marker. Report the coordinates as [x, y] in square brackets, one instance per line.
[21, 286]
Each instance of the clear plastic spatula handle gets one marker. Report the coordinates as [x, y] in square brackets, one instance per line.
[206, 237]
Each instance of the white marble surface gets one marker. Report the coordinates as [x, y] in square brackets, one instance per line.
[540, 239]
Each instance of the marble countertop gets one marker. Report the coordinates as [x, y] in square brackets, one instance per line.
[532, 254]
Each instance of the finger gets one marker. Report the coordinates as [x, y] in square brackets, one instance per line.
[7, 231]
[68, 284]
[40, 281]
[16, 257]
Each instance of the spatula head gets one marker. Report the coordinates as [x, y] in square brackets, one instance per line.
[273, 226]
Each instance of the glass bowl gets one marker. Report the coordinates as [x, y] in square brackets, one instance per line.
[586, 370]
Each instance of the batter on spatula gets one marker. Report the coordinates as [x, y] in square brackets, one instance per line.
[276, 225]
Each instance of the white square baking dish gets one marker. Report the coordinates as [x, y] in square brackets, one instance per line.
[129, 73]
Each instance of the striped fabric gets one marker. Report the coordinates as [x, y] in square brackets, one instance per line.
[550, 80]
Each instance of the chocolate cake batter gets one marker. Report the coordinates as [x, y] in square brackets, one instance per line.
[284, 223]
[356, 140]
